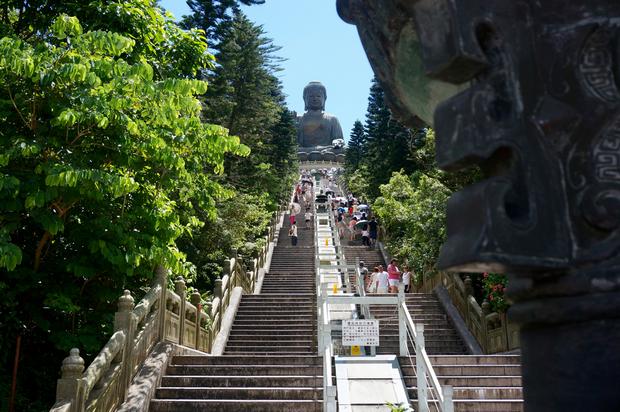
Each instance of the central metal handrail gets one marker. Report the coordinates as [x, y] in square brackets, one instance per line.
[323, 318]
[424, 367]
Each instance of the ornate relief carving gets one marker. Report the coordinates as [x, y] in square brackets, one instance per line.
[596, 64]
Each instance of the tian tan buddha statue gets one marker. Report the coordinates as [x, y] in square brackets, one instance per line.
[316, 129]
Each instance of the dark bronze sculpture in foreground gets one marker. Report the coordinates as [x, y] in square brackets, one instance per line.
[529, 91]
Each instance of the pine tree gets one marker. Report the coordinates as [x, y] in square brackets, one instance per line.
[387, 144]
[213, 16]
[354, 152]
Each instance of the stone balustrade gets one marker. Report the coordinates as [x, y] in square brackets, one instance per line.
[492, 330]
[162, 315]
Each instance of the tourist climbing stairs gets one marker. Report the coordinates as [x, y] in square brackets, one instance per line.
[270, 362]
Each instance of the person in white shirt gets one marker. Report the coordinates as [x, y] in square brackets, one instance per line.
[407, 279]
[365, 236]
[293, 234]
[372, 284]
[308, 217]
[382, 281]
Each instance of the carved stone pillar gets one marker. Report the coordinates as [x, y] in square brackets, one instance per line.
[529, 91]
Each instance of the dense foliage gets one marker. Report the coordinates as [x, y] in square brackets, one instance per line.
[494, 287]
[245, 96]
[213, 16]
[412, 210]
[380, 148]
[355, 147]
[108, 167]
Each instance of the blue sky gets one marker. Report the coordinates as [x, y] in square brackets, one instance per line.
[317, 46]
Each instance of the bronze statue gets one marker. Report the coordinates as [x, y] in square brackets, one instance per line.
[538, 109]
[316, 129]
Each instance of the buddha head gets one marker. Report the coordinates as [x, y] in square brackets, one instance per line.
[315, 95]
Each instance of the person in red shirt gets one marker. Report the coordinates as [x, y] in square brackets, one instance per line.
[393, 276]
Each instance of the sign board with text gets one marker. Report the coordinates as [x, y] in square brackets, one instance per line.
[362, 332]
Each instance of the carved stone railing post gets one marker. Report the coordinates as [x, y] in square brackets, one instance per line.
[469, 289]
[486, 309]
[195, 299]
[228, 268]
[69, 387]
[179, 289]
[217, 288]
[161, 279]
[124, 320]
[529, 91]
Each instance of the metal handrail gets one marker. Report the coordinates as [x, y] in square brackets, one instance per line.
[444, 394]
[323, 323]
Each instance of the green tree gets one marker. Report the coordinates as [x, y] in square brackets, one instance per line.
[424, 158]
[355, 148]
[387, 144]
[104, 163]
[413, 209]
[245, 97]
[213, 16]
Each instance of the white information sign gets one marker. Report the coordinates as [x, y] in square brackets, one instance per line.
[362, 332]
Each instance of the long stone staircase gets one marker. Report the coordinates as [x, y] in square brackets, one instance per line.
[270, 362]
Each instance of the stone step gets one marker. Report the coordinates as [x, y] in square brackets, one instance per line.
[272, 332]
[436, 347]
[245, 370]
[287, 276]
[274, 316]
[276, 348]
[304, 305]
[292, 252]
[278, 298]
[288, 285]
[274, 341]
[308, 381]
[237, 393]
[270, 337]
[268, 310]
[480, 393]
[283, 287]
[429, 328]
[300, 271]
[424, 318]
[267, 353]
[293, 309]
[473, 381]
[469, 370]
[271, 324]
[235, 405]
[428, 339]
[275, 296]
[248, 360]
[483, 381]
[492, 405]
[410, 305]
[476, 360]
[293, 261]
